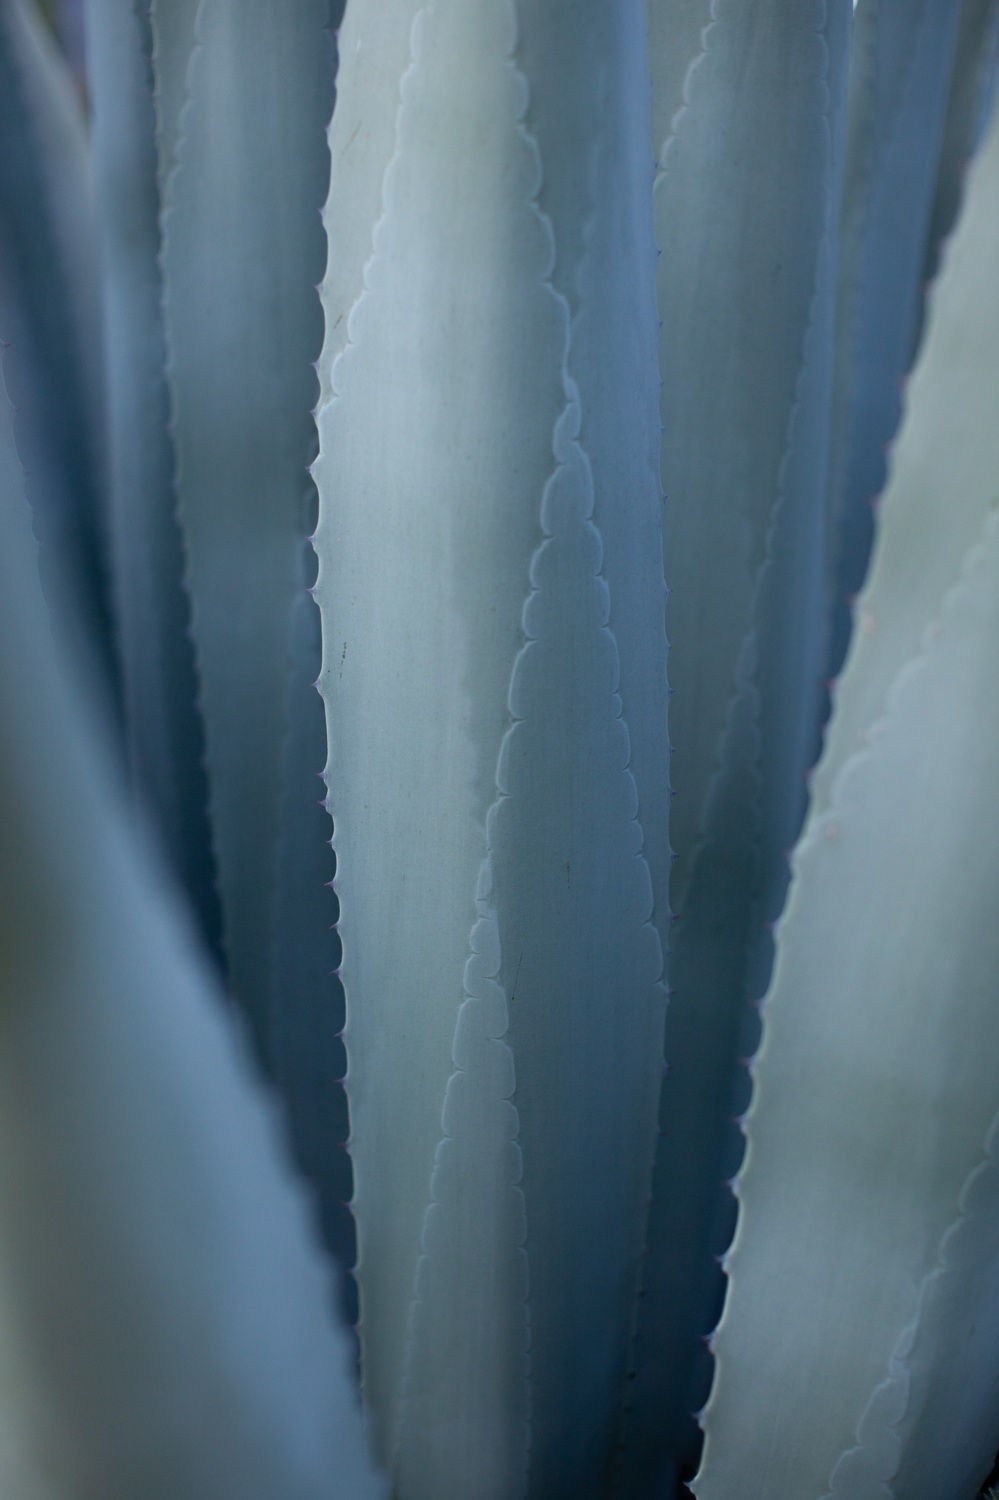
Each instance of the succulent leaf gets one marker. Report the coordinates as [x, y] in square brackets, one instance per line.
[903, 75]
[745, 356]
[50, 316]
[859, 1146]
[489, 314]
[949, 455]
[158, 1275]
[242, 252]
[163, 729]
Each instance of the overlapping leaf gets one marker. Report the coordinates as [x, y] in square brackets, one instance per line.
[170, 1317]
[464, 448]
[159, 685]
[875, 1086]
[745, 355]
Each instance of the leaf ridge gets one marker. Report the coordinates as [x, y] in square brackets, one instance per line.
[455, 493]
[736, 865]
[854, 1044]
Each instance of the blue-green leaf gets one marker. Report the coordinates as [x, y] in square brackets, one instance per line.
[745, 221]
[169, 1313]
[243, 250]
[501, 962]
[50, 316]
[163, 728]
[906, 68]
[875, 1087]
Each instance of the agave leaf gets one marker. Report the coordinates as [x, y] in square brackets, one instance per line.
[415, 677]
[309, 1059]
[243, 250]
[875, 1085]
[930, 1428]
[948, 1436]
[732, 342]
[375, 48]
[901, 76]
[676, 40]
[173, 43]
[589, 122]
[595, 184]
[49, 314]
[969, 105]
[947, 455]
[158, 1274]
[163, 728]
[864, 1471]
[460, 445]
[744, 415]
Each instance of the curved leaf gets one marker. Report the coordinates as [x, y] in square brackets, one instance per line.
[948, 451]
[163, 729]
[901, 78]
[242, 252]
[875, 1086]
[50, 316]
[745, 355]
[433, 454]
[464, 442]
[172, 1312]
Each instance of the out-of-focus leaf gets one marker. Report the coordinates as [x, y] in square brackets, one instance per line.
[876, 1083]
[49, 315]
[745, 354]
[172, 1317]
[472, 542]
[163, 728]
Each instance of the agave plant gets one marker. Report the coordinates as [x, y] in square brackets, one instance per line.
[455, 357]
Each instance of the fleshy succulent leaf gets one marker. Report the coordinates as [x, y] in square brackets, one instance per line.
[173, 23]
[950, 454]
[159, 1277]
[947, 1437]
[901, 74]
[243, 250]
[50, 317]
[888, 959]
[163, 728]
[496, 473]
[413, 753]
[745, 356]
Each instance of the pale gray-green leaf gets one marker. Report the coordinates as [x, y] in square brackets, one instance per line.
[945, 465]
[876, 1082]
[373, 46]
[901, 72]
[464, 444]
[950, 1430]
[173, 30]
[676, 40]
[434, 452]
